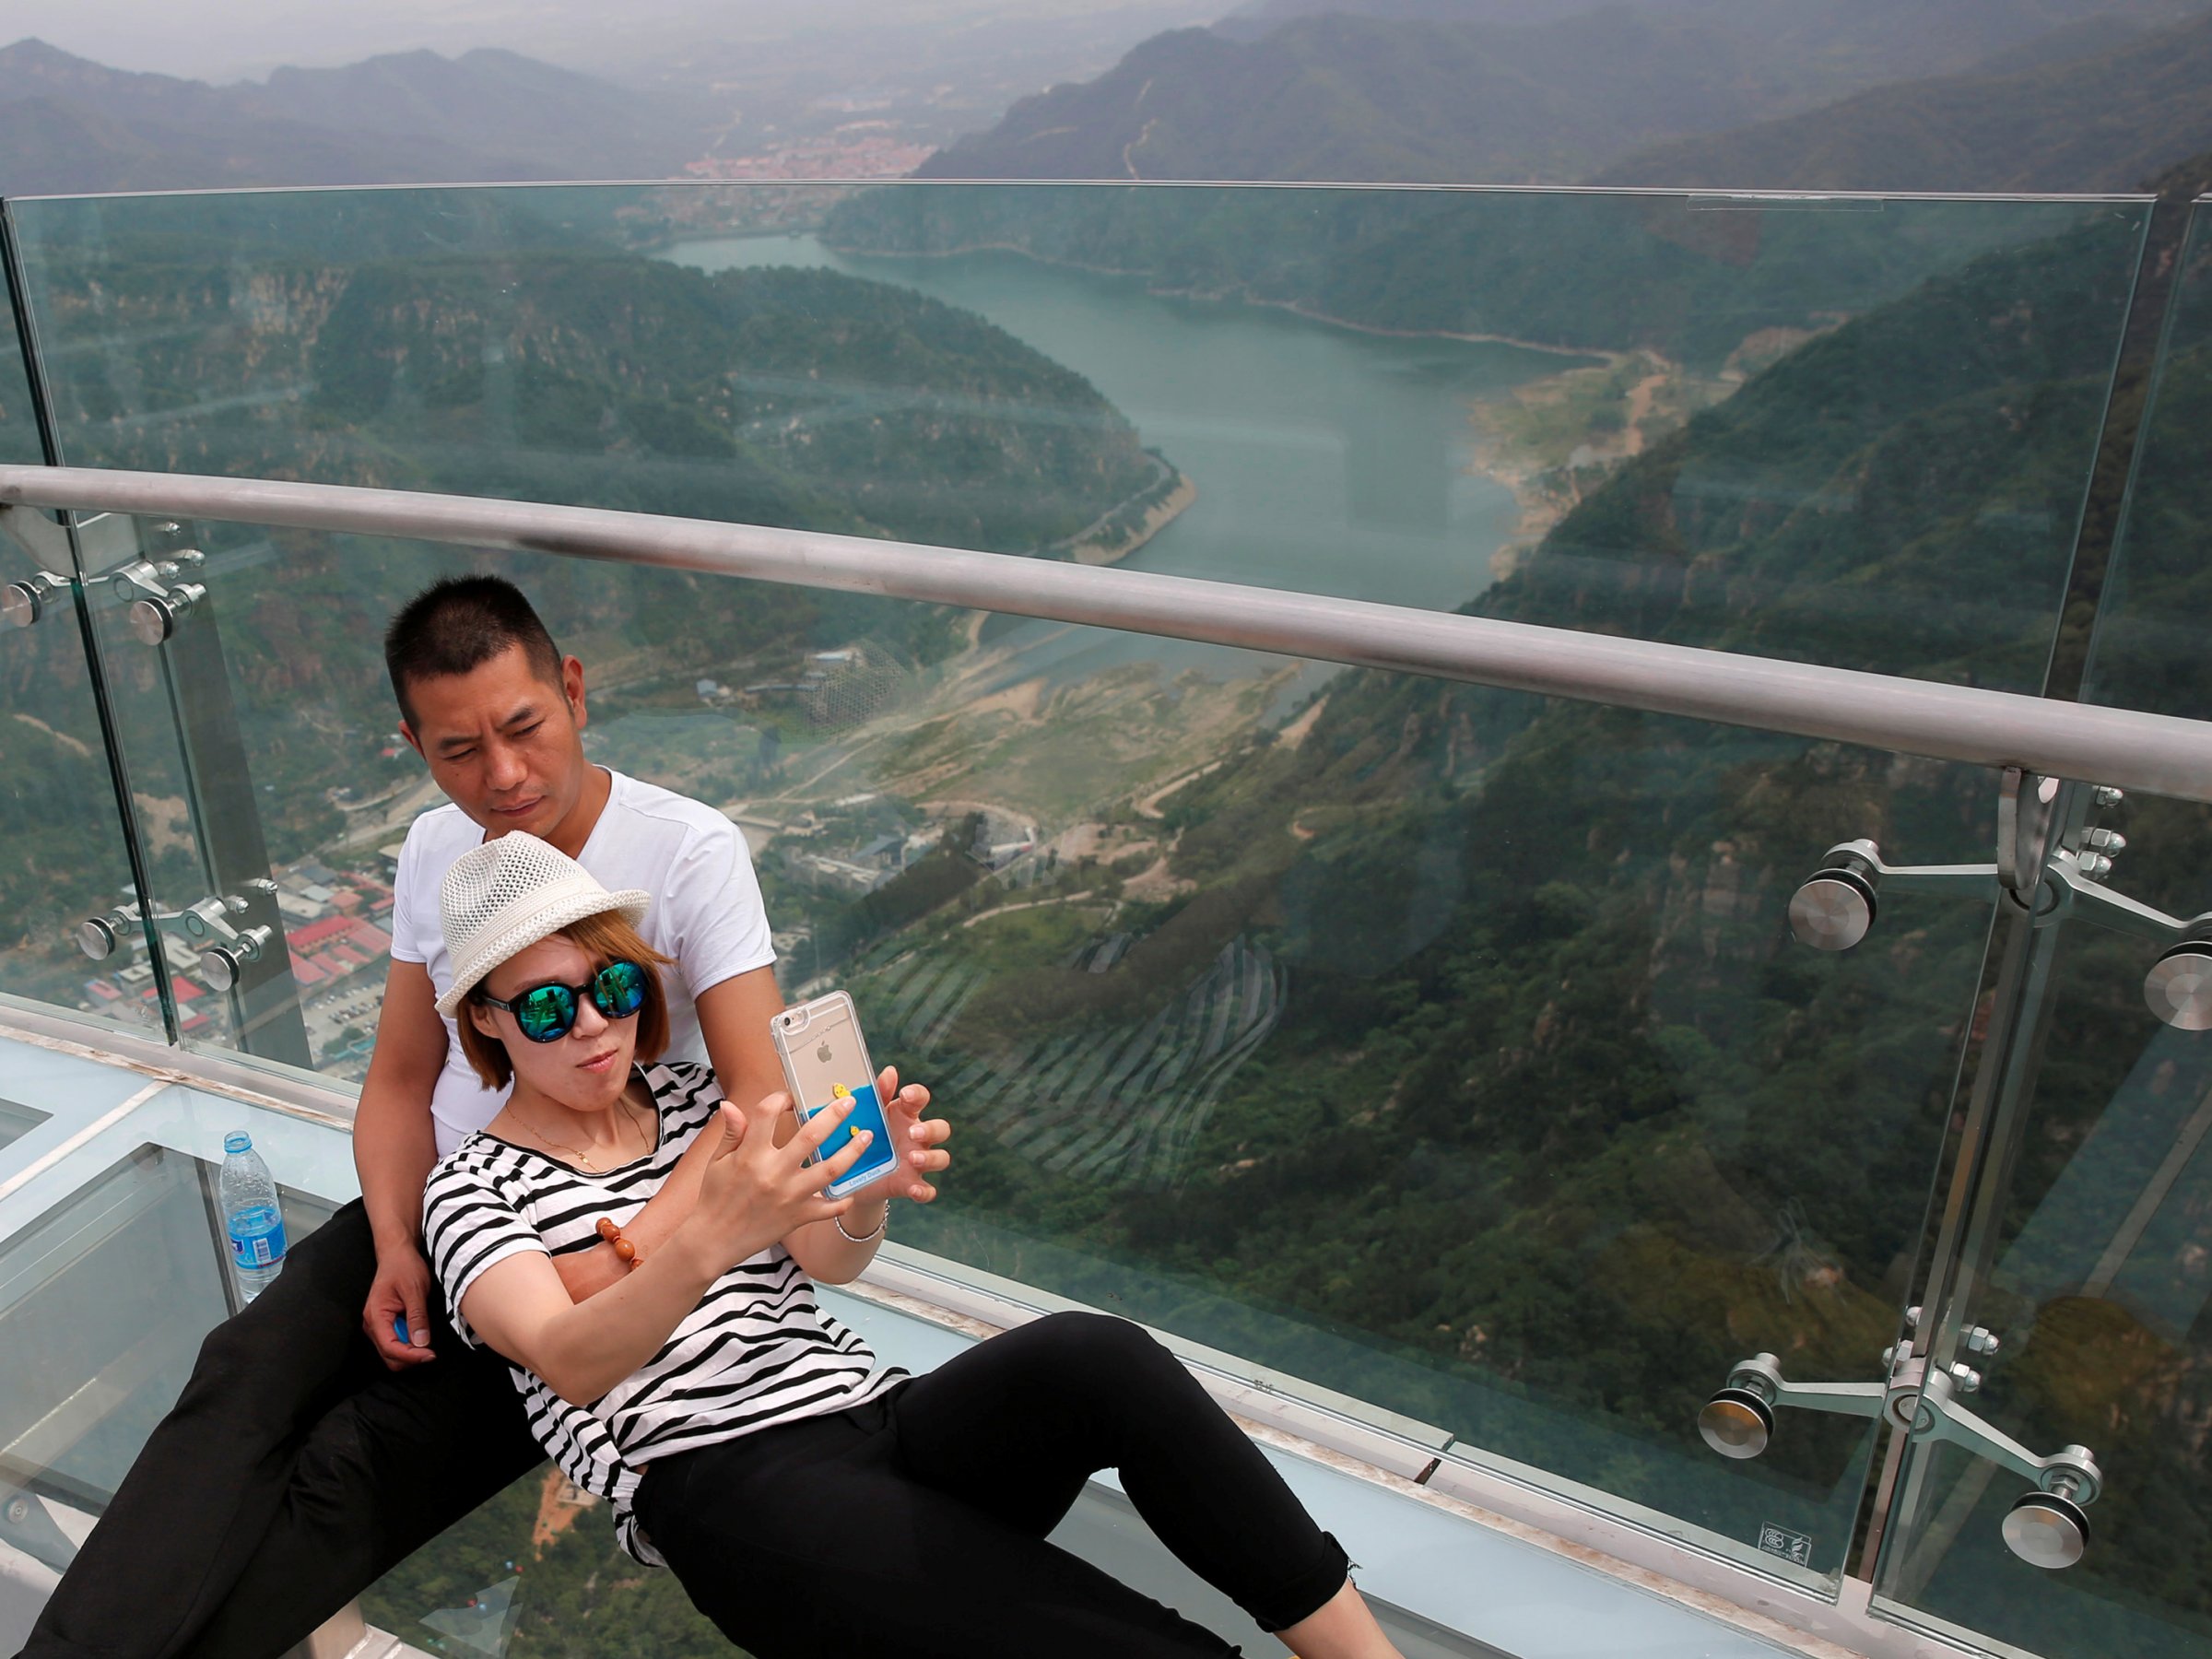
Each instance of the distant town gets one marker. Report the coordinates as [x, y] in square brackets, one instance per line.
[858, 149]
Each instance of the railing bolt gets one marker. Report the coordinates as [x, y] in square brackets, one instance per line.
[2094, 867]
[1980, 1341]
[2105, 840]
[1966, 1376]
[2106, 795]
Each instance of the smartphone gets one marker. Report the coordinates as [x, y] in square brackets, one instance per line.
[824, 1057]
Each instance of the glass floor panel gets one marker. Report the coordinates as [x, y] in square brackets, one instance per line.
[16, 1122]
[104, 1302]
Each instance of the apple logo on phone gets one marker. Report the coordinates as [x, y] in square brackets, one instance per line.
[824, 1054]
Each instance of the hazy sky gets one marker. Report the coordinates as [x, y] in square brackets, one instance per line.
[223, 40]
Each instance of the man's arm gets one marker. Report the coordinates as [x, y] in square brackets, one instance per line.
[393, 1146]
[733, 1017]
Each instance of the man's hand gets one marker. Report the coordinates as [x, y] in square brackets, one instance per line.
[402, 1287]
[394, 1148]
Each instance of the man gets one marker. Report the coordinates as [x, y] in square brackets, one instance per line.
[314, 1447]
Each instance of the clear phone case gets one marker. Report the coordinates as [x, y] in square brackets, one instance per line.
[822, 1052]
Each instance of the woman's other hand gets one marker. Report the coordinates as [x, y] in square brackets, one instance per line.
[755, 1192]
[920, 1141]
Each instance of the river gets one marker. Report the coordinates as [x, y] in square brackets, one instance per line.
[1325, 460]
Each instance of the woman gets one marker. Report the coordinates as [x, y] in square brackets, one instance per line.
[811, 1501]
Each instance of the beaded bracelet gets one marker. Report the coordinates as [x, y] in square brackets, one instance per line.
[624, 1249]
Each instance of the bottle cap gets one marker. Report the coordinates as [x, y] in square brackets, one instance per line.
[238, 1140]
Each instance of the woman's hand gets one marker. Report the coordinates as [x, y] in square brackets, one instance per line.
[919, 1141]
[755, 1192]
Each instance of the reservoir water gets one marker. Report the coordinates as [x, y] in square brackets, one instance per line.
[1324, 459]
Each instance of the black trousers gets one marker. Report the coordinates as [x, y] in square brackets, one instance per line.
[915, 1525]
[294, 1471]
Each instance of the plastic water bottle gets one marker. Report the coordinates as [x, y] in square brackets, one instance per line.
[251, 1213]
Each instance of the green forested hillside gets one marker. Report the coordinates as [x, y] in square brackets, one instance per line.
[776, 397]
[2103, 122]
[1898, 494]
[565, 373]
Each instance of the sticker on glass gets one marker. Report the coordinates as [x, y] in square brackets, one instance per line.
[1791, 1547]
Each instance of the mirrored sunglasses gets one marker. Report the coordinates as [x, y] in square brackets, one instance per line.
[547, 1012]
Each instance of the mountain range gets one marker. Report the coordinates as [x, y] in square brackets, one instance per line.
[2105, 121]
[1335, 97]
[68, 125]
[1868, 40]
[1485, 92]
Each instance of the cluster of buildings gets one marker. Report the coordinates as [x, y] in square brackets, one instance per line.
[334, 922]
[830, 857]
[852, 871]
[836, 689]
[336, 929]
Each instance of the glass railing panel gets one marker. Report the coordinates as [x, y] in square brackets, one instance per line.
[196, 826]
[2146, 651]
[1854, 431]
[1475, 1079]
[20, 443]
[2092, 1263]
[66, 858]
[1439, 1049]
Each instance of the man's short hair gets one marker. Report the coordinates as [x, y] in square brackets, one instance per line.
[458, 625]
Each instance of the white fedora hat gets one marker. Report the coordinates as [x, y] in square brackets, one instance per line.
[501, 898]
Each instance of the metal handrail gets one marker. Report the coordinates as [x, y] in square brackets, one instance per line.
[2161, 754]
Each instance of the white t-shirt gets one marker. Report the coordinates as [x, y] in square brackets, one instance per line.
[706, 913]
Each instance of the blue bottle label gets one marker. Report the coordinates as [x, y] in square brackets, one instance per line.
[258, 1236]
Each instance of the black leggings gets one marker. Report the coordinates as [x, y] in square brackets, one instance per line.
[915, 1525]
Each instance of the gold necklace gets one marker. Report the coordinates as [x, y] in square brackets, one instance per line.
[583, 1157]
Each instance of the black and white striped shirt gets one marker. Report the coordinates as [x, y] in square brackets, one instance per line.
[756, 1352]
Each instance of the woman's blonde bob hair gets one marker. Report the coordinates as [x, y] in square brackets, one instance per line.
[606, 938]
